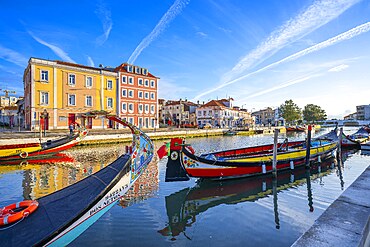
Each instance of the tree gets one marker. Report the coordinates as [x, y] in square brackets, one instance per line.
[290, 112]
[312, 113]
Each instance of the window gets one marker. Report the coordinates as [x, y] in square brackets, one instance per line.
[140, 94]
[71, 99]
[72, 79]
[124, 107]
[137, 70]
[144, 71]
[124, 92]
[88, 81]
[146, 108]
[131, 93]
[124, 79]
[44, 75]
[152, 95]
[129, 68]
[88, 101]
[44, 98]
[152, 109]
[146, 82]
[131, 107]
[140, 81]
[131, 80]
[131, 120]
[153, 123]
[110, 103]
[146, 95]
[109, 84]
[152, 83]
[140, 108]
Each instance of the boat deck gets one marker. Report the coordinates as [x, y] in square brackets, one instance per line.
[58, 210]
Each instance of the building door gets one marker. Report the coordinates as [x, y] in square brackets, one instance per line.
[71, 118]
[44, 122]
[89, 123]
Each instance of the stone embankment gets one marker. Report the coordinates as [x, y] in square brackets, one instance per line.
[122, 135]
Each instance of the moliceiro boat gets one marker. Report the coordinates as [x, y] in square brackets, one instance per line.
[250, 161]
[356, 139]
[58, 218]
[49, 147]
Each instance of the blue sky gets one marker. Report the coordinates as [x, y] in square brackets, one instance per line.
[261, 53]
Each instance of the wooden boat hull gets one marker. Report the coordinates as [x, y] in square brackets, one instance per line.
[251, 166]
[23, 151]
[16, 149]
[63, 215]
[243, 162]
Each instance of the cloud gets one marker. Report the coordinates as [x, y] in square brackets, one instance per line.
[339, 38]
[58, 51]
[90, 62]
[105, 16]
[315, 16]
[202, 34]
[339, 68]
[174, 10]
[13, 57]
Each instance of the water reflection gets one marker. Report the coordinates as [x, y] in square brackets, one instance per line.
[184, 206]
[44, 175]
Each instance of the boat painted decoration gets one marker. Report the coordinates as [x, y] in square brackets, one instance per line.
[250, 161]
[356, 139]
[49, 147]
[65, 214]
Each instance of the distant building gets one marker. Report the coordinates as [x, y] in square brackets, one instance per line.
[351, 116]
[179, 113]
[222, 113]
[265, 117]
[363, 112]
[138, 94]
[8, 101]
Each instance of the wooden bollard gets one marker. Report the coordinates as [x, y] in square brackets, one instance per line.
[274, 161]
[308, 146]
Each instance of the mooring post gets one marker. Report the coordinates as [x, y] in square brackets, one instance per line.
[308, 146]
[339, 149]
[274, 161]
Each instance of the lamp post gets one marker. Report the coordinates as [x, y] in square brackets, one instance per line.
[155, 124]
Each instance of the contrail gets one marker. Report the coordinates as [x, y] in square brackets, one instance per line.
[105, 17]
[315, 16]
[341, 37]
[175, 9]
[62, 54]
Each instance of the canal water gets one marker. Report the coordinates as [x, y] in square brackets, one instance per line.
[259, 211]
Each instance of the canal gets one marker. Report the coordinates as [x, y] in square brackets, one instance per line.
[257, 211]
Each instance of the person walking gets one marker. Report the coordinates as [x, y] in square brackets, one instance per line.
[71, 127]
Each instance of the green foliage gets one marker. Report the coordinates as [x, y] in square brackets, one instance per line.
[290, 112]
[313, 113]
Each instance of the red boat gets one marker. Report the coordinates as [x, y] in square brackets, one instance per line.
[295, 128]
[244, 162]
[49, 147]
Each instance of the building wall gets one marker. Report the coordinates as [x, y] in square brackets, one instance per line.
[138, 97]
[56, 85]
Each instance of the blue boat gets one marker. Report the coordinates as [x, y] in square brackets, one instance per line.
[62, 216]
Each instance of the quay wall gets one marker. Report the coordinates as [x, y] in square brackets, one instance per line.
[346, 221]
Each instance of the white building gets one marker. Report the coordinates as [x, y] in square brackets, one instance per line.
[221, 113]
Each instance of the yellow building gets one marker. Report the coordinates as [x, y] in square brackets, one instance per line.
[60, 93]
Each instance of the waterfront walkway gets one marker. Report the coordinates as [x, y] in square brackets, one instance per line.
[346, 222]
[106, 136]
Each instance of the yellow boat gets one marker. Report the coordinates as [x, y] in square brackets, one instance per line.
[20, 150]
